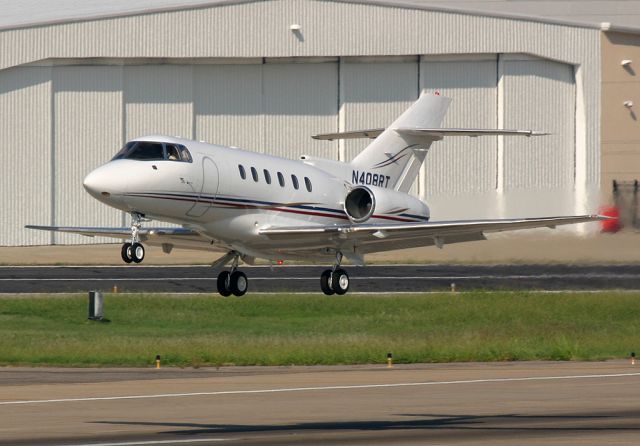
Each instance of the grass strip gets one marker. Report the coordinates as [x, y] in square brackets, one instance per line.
[299, 329]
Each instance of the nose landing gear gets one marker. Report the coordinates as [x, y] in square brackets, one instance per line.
[133, 251]
[233, 282]
[335, 280]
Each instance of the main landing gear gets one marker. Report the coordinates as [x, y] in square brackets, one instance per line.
[133, 251]
[233, 282]
[335, 280]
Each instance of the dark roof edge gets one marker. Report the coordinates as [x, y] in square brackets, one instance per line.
[605, 26]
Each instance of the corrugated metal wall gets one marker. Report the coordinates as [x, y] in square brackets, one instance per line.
[26, 147]
[227, 94]
[261, 29]
[87, 130]
[158, 99]
[462, 165]
[539, 177]
[229, 106]
[540, 95]
[299, 99]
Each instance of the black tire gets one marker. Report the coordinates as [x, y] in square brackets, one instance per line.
[238, 283]
[340, 281]
[137, 252]
[125, 253]
[223, 283]
[325, 282]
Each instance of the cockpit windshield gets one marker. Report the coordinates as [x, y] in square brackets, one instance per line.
[153, 151]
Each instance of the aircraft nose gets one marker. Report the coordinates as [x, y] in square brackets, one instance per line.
[95, 183]
[103, 184]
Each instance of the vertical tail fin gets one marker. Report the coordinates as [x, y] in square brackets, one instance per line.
[397, 158]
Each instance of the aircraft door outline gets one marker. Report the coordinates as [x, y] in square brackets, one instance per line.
[209, 189]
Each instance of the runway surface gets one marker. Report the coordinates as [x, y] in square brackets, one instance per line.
[378, 278]
[504, 403]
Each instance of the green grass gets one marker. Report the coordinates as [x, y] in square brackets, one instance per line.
[299, 329]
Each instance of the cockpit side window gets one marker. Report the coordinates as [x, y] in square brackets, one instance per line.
[186, 156]
[172, 152]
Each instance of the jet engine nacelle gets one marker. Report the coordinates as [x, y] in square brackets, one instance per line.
[363, 203]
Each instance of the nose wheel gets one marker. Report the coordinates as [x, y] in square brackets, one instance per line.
[133, 251]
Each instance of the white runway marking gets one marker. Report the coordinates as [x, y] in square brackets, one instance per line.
[317, 389]
[475, 277]
[151, 442]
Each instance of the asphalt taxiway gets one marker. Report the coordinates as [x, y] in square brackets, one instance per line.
[376, 278]
[502, 403]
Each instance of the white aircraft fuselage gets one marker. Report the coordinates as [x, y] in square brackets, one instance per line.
[209, 193]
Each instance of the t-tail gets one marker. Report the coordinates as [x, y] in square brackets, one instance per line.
[394, 158]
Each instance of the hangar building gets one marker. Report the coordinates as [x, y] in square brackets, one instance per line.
[80, 78]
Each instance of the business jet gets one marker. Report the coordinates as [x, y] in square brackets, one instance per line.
[254, 206]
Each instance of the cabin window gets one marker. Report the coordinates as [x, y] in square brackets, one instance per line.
[307, 182]
[281, 179]
[243, 174]
[294, 180]
[254, 174]
[267, 176]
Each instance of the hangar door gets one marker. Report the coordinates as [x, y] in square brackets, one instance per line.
[458, 166]
[540, 95]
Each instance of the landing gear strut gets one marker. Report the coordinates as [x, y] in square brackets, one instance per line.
[133, 251]
[335, 280]
[233, 282]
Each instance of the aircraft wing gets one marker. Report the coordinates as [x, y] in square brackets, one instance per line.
[380, 237]
[178, 237]
[441, 133]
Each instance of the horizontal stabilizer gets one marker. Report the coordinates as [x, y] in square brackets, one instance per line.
[431, 133]
[371, 134]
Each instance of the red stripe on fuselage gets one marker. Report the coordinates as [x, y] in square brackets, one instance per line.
[274, 209]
